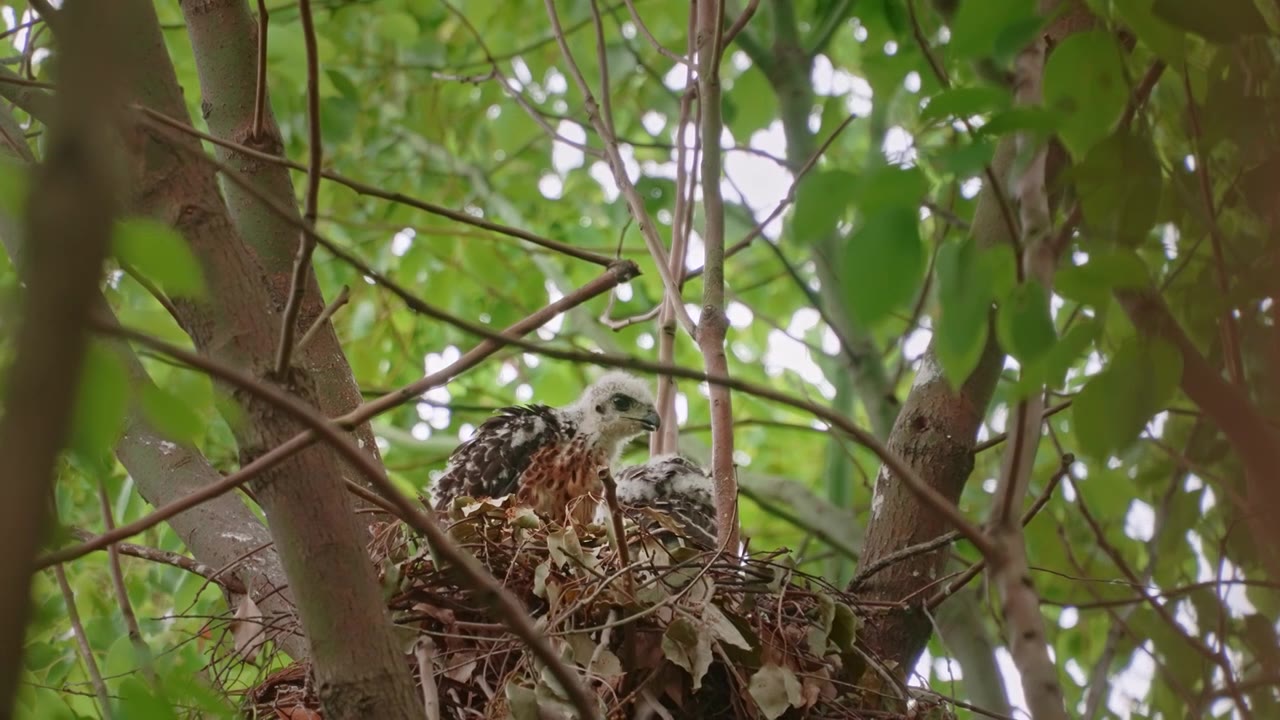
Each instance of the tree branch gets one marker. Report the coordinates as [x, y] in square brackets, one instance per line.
[367, 411]
[1020, 605]
[372, 191]
[648, 229]
[63, 256]
[163, 557]
[507, 606]
[315, 158]
[82, 644]
[713, 323]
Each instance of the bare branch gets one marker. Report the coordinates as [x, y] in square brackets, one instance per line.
[713, 323]
[164, 557]
[786, 201]
[281, 452]
[315, 158]
[1228, 325]
[260, 93]
[82, 644]
[648, 229]
[342, 298]
[122, 591]
[644, 30]
[372, 191]
[1020, 605]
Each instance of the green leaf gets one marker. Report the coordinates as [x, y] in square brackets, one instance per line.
[1221, 21]
[14, 186]
[171, 416]
[522, 702]
[657, 193]
[1116, 404]
[1106, 270]
[160, 254]
[1036, 120]
[977, 26]
[723, 628]
[137, 701]
[883, 264]
[845, 627]
[1002, 268]
[1166, 41]
[1084, 80]
[964, 305]
[689, 647]
[756, 102]
[101, 400]
[965, 102]
[820, 626]
[889, 187]
[1024, 324]
[563, 546]
[1069, 349]
[965, 159]
[1119, 182]
[396, 27]
[822, 199]
[775, 689]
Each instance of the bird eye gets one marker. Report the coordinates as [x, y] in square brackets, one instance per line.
[622, 403]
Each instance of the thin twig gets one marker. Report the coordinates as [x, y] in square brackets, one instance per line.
[343, 296]
[648, 229]
[122, 591]
[615, 519]
[372, 191]
[667, 438]
[785, 202]
[1227, 325]
[644, 30]
[165, 557]
[353, 419]
[939, 72]
[260, 93]
[425, 652]
[738, 25]
[151, 288]
[82, 644]
[306, 243]
[973, 570]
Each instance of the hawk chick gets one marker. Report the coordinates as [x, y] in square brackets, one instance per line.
[549, 456]
[677, 488]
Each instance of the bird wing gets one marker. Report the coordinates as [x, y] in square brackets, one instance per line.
[491, 462]
[696, 519]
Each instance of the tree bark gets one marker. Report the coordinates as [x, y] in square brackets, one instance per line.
[936, 434]
[359, 670]
[224, 37]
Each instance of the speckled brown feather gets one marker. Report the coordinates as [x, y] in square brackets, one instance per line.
[493, 461]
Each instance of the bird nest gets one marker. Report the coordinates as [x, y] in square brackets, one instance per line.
[677, 633]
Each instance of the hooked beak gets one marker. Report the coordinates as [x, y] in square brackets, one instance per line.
[651, 421]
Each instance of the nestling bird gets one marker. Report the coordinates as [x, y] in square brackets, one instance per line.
[550, 456]
[676, 488]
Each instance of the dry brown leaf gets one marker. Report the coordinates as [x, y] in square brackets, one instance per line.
[248, 631]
